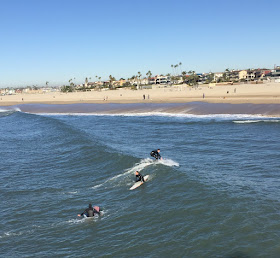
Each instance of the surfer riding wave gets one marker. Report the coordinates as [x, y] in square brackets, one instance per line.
[155, 154]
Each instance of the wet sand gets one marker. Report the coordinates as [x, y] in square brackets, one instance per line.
[139, 109]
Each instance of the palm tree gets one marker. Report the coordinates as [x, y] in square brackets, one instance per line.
[193, 78]
[47, 83]
[180, 64]
[149, 74]
[176, 69]
[111, 79]
[139, 79]
[172, 66]
[226, 75]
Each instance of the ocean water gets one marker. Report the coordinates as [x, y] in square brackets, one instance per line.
[215, 194]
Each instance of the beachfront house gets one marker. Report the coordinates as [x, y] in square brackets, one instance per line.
[218, 76]
[152, 80]
[144, 81]
[160, 79]
[242, 75]
[8, 92]
[246, 75]
[255, 74]
[234, 75]
[276, 72]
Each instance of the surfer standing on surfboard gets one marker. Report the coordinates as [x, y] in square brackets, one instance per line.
[139, 177]
[155, 154]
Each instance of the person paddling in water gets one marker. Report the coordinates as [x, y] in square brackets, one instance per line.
[90, 211]
[139, 177]
[155, 154]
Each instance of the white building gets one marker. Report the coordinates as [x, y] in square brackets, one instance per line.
[218, 75]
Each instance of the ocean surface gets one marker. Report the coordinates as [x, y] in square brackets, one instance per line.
[216, 193]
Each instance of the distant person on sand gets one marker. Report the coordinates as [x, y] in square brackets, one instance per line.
[90, 211]
[144, 96]
[155, 154]
[139, 177]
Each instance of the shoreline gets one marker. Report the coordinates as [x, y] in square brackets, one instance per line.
[149, 109]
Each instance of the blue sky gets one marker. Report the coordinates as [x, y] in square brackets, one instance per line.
[46, 40]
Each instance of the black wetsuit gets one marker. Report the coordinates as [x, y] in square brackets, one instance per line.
[139, 177]
[155, 154]
[89, 212]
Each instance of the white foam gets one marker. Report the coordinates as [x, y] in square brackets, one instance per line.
[14, 109]
[97, 186]
[11, 234]
[163, 114]
[169, 163]
[246, 121]
[137, 167]
[4, 110]
[76, 221]
[73, 192]
[256, 121]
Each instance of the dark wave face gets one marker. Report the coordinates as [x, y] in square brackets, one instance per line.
[214, 194]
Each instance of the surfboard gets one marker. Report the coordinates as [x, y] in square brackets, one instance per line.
[137, 184]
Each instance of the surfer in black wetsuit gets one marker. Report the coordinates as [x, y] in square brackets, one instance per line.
[89, 212]
[139, 177]
[155, 154]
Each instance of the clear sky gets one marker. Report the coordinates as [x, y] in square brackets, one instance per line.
[56, 40]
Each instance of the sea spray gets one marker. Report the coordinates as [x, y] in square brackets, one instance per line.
[169, 162]
[138, 167]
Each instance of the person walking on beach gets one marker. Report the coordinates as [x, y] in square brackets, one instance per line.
[155, 154]
[139, 177]
[144, 96]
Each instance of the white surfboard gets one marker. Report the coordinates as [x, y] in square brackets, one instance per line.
[137, 184]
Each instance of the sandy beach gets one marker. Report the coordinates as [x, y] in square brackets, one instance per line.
[267, 93]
